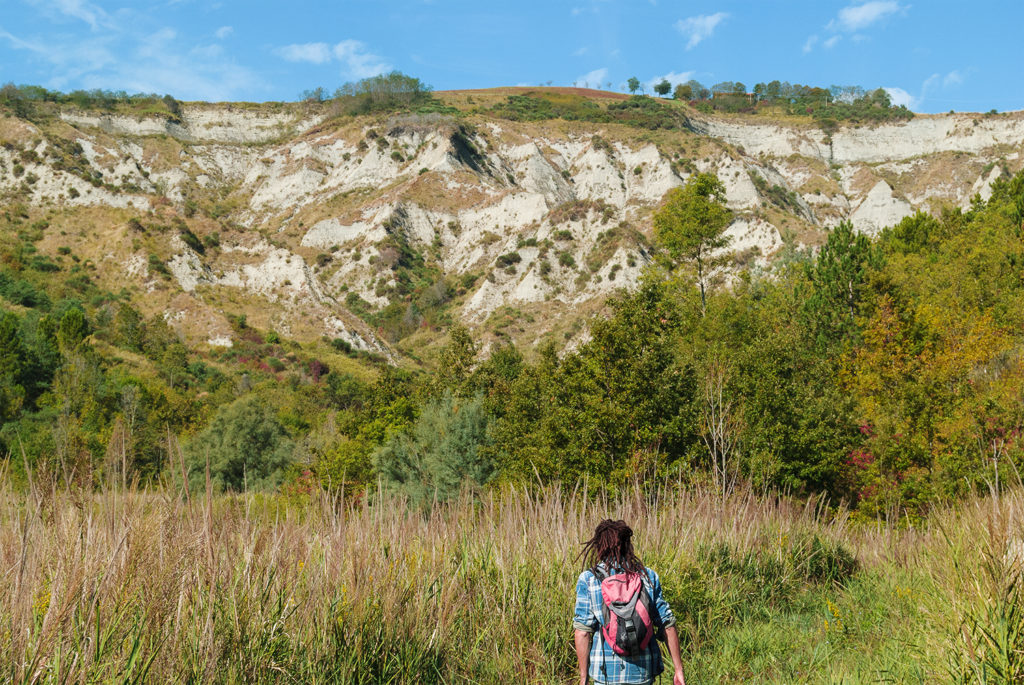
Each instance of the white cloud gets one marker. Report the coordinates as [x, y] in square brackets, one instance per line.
[358, 62]
[697, 28]
[953, 78]
[854, 18]
[145, 61]
[675, 78]
[82, 10]
[859, 17]
[901, 97]
[592, 79]
[936, 81]
[19, 43]
[223, 32]
[207, 51]
[928, 84]
[314, 53]
[580, 52]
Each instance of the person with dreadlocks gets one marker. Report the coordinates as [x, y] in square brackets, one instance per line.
[620, 598]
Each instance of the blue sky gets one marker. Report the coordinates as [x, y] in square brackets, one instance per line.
[934, 55]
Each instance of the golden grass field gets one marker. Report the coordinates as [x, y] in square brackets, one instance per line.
[128, 585]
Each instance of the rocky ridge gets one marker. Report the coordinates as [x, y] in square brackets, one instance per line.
[307, 222]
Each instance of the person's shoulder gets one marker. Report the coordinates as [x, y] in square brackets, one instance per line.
[652, 574]
[587, 575]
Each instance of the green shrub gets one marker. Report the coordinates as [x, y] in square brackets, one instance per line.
[246, 445]
[190, 239]
[156, 265]
[508, 259]
[22, 292]
[441, 452]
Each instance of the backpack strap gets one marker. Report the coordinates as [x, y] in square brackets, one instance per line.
[659, 632]
[601, 575]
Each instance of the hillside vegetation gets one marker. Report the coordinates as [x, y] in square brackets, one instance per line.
[318, 306]
[883, 374]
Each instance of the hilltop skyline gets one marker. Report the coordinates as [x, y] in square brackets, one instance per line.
[253, 51]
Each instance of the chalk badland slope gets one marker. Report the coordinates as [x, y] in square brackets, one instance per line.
[313, 225]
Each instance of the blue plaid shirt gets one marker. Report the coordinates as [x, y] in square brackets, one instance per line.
[605, 665]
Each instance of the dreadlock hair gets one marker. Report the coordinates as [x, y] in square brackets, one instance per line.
[613, 544]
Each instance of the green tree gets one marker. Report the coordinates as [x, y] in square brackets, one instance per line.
[683, 91]
[619, 408]
[73, 329]
[383, 92]
[838, 285]
[914, 234]
[314, 95]
[700, 92]
[173, 106]
[441, 452]
[797, 426]
[247, 447]
[495, 376]
[456, 361]
[690, 225]
[12, 368]
[633, 84]
[663, 87]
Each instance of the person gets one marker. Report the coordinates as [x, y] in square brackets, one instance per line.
[610, 552]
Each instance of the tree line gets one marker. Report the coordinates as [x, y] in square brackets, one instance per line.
[835, 102]
[29, 101]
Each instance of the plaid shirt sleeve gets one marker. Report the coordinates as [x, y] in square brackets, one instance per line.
[585, 617]
[668, 619]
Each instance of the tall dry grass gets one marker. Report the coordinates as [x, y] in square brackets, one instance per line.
[137, 586]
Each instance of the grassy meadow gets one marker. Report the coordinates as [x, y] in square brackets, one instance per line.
[132, 585]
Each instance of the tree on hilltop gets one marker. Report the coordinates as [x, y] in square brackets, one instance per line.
[700, 92]
[633, 84]
[663, 87]
[383, 92]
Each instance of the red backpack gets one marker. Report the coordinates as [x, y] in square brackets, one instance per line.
[630, 618]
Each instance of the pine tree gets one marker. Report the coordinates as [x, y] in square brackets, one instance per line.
[440, 453]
